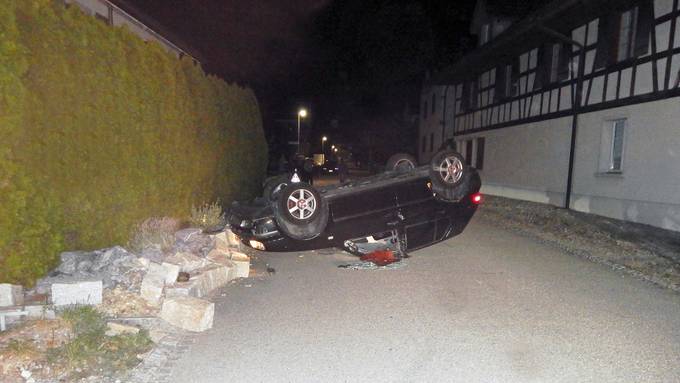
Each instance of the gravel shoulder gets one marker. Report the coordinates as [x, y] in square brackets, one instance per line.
[647, 252]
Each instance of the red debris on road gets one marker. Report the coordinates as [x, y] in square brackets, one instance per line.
[380, 257]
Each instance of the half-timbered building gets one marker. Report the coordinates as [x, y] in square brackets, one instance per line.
[576, 104]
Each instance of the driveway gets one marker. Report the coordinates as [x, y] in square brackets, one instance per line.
[486, 306]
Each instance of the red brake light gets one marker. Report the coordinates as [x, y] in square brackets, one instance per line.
[476, 198]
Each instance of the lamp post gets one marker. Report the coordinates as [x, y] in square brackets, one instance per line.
[323, 140]
[302, 113]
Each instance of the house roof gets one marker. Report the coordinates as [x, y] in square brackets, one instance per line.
[560, 15]
[159, 28]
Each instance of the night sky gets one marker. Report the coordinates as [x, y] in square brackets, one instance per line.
[359, 62]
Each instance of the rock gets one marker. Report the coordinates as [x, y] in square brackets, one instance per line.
[81, 293]
[188, 313]
[183, 289]
[11, 295]
[153, 283]
[40, 312]
[186, 235]
[221, 241]
[242, 263]
[114, 329]
[172, 272]
[193, 241]
[223, 258]
[187, 262]
[152, 253]
[111, 265]
[210, 279]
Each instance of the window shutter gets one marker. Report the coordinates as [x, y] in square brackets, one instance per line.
[643, 28]
[607, 39]
[499, 93]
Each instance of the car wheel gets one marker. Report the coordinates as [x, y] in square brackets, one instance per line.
[447, 172]
[301, 212]
[273, 185]
[401, 162]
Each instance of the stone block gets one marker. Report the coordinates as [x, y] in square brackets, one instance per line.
[40, 312]
[172, 272]
[77, 293]
[242, 263]
[210, 279]
[223, 258]
[153, 283]
[188, 313]
[182, 289]
[187, 262]
[113, 329]
[11, 295]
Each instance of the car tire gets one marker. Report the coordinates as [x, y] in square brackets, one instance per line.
[300, 211]
[447, 172]
[401, 162]
[273, 185]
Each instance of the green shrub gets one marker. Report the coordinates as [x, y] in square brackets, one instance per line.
[102, 130]
[207, 215]
[91, 351]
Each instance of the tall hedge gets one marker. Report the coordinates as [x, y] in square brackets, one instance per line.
[101, 130]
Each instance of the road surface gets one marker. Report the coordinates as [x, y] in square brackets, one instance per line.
[486, 306]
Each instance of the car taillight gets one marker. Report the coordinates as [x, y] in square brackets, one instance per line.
[476, 198]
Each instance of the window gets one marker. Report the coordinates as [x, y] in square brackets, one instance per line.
[554, 62]
[616, 157]
[468, 152]
[612, 146]
[431, 142]
[485, 34]
[479, 160]
[622, 36]
[434, 102]
[425, 110]
[626, 34]
[423, 143]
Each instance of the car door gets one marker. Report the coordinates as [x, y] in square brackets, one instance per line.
[364, 213]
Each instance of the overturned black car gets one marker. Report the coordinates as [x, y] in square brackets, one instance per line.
[405, 208]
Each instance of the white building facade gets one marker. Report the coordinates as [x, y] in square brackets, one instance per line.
[602, 138]
[114, 15]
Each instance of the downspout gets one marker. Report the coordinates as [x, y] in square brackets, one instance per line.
[576, 105]
[446, 93]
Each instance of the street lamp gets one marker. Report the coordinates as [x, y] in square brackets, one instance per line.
[302, 113]
[323, 140]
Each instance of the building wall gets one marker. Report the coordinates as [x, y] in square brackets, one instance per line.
[527, 132]
[110, 13]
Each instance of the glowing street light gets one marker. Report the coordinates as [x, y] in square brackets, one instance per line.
[323, 140]
[302, 113]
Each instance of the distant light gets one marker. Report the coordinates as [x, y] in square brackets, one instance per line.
[302, 113]
[256, 245]
[477, 198]
[332, 146]
[335, 150]
[324, 138]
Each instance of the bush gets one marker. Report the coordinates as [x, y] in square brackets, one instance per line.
[102, 130]
[91, 351]
[154, 232]
[207, 215]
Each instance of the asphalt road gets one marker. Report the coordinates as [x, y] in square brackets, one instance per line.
[486, 306]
